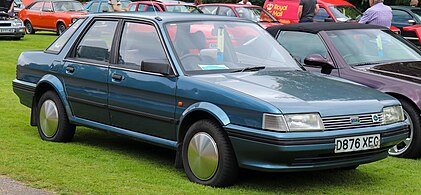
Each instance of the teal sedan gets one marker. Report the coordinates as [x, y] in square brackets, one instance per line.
[219, 91]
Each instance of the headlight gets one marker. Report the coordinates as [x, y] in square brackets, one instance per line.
[293, 122]
[17, 23]
[393, 114]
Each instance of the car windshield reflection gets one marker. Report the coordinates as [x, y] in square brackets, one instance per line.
[208, 47]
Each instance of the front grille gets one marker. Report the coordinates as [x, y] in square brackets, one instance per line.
[5, 24]
[352, 121]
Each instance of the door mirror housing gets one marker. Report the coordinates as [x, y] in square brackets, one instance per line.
[411, 22]
[157, 66]
[319, 61]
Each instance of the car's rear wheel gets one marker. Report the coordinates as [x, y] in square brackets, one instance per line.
[60, 28]
[208, 157]
[53, 124]
[411, 146]
[29, 28]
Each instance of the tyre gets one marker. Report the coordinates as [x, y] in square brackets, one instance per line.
[60, 28]
[29, 28]
[350, 167]
[208, 157]
[53, 124]
[411, 147]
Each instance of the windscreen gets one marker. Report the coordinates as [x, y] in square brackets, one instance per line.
[224, 46]
[371, 46]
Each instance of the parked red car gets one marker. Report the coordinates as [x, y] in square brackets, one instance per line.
[171, 6]
[51, 15]
[251, 12]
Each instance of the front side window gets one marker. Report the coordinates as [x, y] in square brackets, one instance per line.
[301, 44]
[345, 13]
[62, 40]
[371, 46]
[96, 43]
[48, 7]
[36, 7]
[254, 14]
[210, 47]
[140, 43]
[400, 16]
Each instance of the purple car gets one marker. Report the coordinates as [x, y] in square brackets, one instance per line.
[366, 54]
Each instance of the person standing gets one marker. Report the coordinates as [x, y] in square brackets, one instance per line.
[197, 2]
[246, 2]
[115, 5]
[378, 14]
[307, 10]
[7, 6]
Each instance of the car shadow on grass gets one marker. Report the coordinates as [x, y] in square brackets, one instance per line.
[301, 182]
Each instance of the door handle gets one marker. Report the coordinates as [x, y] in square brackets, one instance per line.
[117, 77]
[70, 69]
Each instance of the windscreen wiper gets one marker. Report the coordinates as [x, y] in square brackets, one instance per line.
[367, 63]
[253, 68]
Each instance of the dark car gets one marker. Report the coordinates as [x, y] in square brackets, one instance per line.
[366, 54]
[199, 85]
[98, 6]
[408, 20]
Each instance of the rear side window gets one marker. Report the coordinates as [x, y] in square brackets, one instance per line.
[400, 16]
[140, 43]
[301, 44]
[62, 40]
[321, 15]
[96, 43]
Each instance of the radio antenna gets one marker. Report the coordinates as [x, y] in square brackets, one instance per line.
[153, 6]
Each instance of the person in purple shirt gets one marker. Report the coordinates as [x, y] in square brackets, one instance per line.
[378, 14]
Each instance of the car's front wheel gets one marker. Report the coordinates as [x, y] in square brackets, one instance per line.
[411, 146]
[29, 28]
[208, 157]
[53, 124]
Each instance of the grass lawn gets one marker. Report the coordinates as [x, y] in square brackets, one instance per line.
[97, 162]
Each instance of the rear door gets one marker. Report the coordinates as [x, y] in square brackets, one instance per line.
[86, 71]
[138, 100]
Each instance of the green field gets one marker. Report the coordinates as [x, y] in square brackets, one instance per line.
[97, 162]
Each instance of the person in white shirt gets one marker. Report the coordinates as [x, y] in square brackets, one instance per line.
[247, 2]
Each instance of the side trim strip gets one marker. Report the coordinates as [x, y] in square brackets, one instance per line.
[83, 101]
[144, 114]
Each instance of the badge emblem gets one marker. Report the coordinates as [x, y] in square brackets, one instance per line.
[355, 120]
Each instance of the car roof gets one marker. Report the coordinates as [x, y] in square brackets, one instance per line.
[316, 27]
[228, 4]
[163, 17]
[162, 3]
[53, 0]
[104, 0]
[404, 7]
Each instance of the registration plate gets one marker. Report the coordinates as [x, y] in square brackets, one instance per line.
[7, 30]
[357, 143]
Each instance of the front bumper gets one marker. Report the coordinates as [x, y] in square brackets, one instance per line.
[307, 151]
[14, 32]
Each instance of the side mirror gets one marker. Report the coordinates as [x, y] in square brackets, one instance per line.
[319, 61]
[411, 22]
[157, 66]
[329, 20]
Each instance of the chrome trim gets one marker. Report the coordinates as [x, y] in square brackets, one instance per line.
[138, 71]
[411, 38]
[84, 62]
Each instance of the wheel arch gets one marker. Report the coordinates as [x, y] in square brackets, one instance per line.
[60, 21]
[47, 83]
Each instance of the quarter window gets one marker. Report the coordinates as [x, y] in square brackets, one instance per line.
[301, 44]
[96, 43]
[140, 43]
